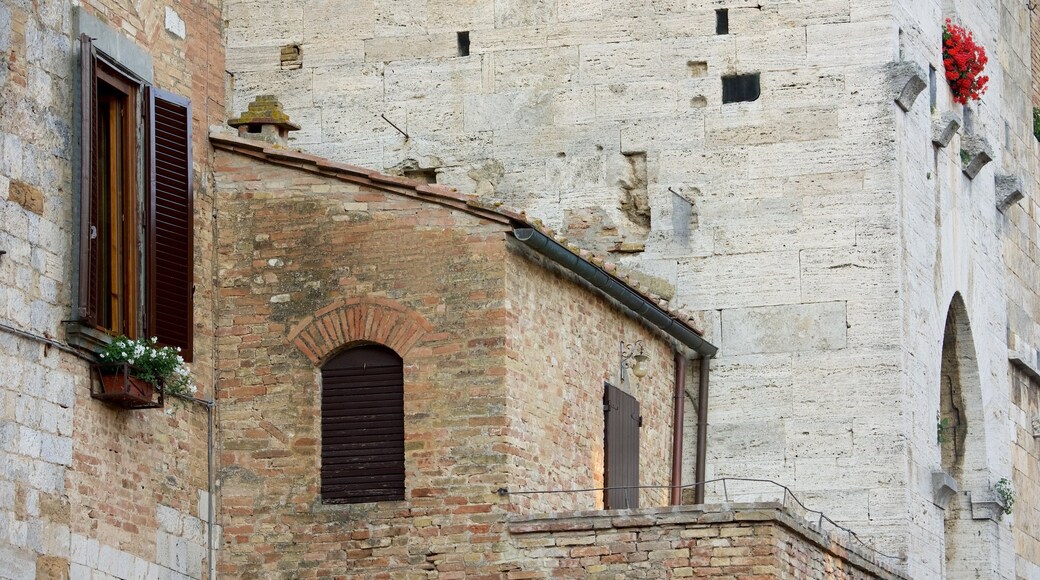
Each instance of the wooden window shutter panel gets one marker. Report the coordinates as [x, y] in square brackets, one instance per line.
[362, 426]
[169, 251]
[621, 441]
[88, 289]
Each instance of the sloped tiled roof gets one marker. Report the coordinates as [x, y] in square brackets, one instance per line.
[439, 194]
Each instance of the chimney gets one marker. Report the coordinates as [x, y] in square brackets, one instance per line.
[265, 120]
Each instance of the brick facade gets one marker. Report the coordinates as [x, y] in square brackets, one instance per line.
[504, 363]
[85, 489]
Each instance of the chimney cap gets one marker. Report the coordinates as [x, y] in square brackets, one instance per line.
[265, 110]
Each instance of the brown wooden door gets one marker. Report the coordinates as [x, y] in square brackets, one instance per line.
[621, 441]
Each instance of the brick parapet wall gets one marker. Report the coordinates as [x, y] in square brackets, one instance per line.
[754, 541]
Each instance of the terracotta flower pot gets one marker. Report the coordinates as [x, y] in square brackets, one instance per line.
[128, 385]
[120, 388]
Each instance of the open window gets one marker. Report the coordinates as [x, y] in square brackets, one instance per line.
[135, 248]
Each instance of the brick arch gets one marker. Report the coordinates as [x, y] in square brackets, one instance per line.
[372, 319]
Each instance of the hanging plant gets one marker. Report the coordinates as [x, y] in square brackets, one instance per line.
[964, 61]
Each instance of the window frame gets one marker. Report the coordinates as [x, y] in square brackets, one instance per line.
[151, 259]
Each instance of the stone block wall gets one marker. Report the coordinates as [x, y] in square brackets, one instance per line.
[81, 485]
[745, 541]
[1025, 455]
[777, 218]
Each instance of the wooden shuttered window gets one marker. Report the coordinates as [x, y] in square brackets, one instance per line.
[169, 251]
[362, 426]
[622, 422]
[120, 223]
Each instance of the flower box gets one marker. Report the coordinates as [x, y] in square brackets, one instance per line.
[117, 386]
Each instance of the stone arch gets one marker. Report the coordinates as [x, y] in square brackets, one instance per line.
[962, 445]
[371, 319]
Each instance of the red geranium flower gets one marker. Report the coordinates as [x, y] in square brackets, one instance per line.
[964, 61]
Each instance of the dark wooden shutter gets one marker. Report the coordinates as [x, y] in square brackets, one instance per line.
[621, 440]
[170, 248]
[88, 294]
[362, 426]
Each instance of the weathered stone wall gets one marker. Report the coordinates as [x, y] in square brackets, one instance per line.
[84, 488]
[1025, 416]
[778, 218]
[564, 344]
[746, 541]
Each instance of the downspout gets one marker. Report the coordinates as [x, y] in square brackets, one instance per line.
[702, 430]
[210, 482]
[677, 427]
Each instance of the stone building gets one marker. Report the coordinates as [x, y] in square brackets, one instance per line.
[86, 488]
[862, 249]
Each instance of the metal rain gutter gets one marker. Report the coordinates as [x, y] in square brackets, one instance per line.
[612, 287]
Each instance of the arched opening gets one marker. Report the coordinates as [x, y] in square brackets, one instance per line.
[362, 426]
[961, 439]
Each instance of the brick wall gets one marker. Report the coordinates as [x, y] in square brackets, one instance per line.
[564, 344]
[735, 541]
[504, 370]
[84, 487]
[296, 249]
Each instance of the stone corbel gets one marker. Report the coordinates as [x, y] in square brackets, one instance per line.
[1009, 191]
[944, 488]
[1036, 427]
[986, 506]
[944, 127]
[978, 154]
[907, 81]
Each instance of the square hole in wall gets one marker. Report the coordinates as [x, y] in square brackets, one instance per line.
[722, 21]
[291, 57]
[741, 88]
[462, 41]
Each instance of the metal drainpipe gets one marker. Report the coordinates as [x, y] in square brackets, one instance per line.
[702, 429]
[211, 484]
[677, 427]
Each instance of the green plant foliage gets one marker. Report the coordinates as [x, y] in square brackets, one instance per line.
[1036, 123]
[941, 426]
[152, 363]
[1006, 493]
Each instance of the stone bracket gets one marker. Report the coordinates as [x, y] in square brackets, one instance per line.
[986, 506]
[944, 488]
[1036, 427]
[979, 153]
[1009, 191]
[907, 81]
[944, 127]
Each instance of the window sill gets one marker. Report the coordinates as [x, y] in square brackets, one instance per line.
[86, 337]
